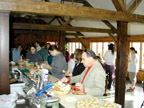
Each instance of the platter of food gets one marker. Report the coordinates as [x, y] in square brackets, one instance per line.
[95, 103]
[61, 88]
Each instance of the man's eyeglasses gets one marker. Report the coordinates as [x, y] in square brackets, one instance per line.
[87, 51]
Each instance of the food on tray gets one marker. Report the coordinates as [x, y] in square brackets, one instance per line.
[88, 103]
[61, 88]
[21, 62]
[94, 103]
[73, 87]
[110, 105]
[79, 93]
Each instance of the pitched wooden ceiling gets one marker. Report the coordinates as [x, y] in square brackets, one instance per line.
[61, 17]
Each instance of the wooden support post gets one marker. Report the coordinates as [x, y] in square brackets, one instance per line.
[4, 53]
[121, 63]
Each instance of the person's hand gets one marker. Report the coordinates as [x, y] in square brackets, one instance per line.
[47, 66]
[80, 86]
[64, 80]
[69, 74]
[36, 63]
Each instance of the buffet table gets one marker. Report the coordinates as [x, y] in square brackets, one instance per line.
[69, 100]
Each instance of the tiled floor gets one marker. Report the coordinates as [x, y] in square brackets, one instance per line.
[132, 99]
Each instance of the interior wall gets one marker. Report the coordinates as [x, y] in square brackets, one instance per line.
[28, 39]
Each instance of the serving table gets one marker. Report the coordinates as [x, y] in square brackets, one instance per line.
[69, 100]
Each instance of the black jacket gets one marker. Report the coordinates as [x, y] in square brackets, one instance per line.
[78, 69]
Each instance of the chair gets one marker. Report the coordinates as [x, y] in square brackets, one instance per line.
[143, 92]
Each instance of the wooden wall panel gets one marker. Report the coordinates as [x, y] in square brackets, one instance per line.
[26, 39]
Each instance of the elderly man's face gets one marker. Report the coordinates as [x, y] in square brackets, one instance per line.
[85, 60]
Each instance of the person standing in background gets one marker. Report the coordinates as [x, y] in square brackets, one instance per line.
[50, 57]
[71, 63]
[68, 57]
[17, 53]
[37, 44]
[79, 67]
[43, 52]
[109, 58]
[133, 68]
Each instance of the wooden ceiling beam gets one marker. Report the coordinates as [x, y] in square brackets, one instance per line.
[122, 5]
[117, 5]
[71, 26]
[68, 21]
[58, 28]
[65, 23]
[112, 37]
[48, 8]
[104, 21]
[38, 32]
[109, 25]
[76, 1]
[80, 41]
[134, 5]
[60, 21]
[51, 20]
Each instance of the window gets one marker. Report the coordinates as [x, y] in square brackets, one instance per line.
[142, 56]
[73, 45]
[105, 47]
[136, 45]
[94, 46]
[97, 47]
[100, 48]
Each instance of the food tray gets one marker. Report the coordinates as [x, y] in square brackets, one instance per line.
[95, 103]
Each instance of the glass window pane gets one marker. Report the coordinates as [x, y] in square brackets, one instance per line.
[136, 45]
[105, 47]
[80, 45]
[94, 46]
[69, 47]
[99, 49]
[73, 46]
[142, 56]
[77, 44]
